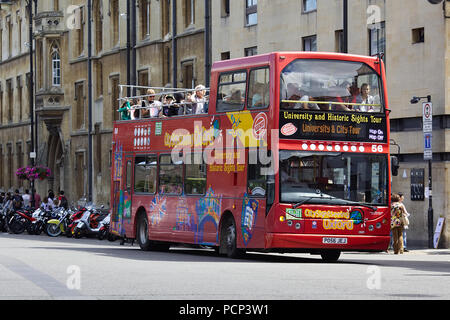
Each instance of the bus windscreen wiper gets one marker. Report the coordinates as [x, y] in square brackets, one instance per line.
[295, 206]
[358, 204]
[319, 192]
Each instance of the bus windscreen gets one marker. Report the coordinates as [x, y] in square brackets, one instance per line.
[333, 178]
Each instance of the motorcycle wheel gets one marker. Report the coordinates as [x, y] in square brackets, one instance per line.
[111, 237]
[77, 233]
[53, 230]
[17, 227]
[38, 230]
[31, 229]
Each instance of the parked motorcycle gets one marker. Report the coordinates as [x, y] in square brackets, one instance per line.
[20, 220]
[3, 218]
[57, 226]
[42, 217]
[5, 214]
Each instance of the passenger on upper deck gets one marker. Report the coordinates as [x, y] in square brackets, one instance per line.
[179, 102]
[125, 111]
[294, 93]
[170, 109]
[199, 100]
[151, 107]
[135, 108]
[345, 97]
[260, 97]
[365, 98]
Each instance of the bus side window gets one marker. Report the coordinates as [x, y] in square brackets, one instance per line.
[258, 89]
[170, 176]
[129, 172]
[256, 180]
[145, 174]
[231, 91]
[195, 175]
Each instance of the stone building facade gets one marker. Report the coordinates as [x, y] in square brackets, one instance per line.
[61, 81]
[414, 36]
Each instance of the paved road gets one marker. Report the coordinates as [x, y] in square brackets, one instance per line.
[39, 267]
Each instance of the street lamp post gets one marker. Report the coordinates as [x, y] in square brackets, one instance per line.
[345, 27]
[416, 100]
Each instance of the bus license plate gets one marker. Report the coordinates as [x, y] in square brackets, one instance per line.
[334, 241]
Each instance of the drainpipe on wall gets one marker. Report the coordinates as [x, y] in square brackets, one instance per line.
[174, 45]
[207, 42]
[90, 171]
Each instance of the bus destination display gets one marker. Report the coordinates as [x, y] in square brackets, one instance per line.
[354, 127]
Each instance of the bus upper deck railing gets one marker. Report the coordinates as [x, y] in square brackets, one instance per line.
[171, 101]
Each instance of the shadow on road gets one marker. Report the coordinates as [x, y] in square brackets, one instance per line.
[183, 254]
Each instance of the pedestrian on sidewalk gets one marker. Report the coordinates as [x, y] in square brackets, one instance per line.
[397, 223]
[17, 200]
[62, 200]
[26, 198]
[406, 227]
[37, 200]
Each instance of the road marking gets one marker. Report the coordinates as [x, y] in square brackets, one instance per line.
[52, 286]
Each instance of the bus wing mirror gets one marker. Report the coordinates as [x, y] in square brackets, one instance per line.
[394, 166]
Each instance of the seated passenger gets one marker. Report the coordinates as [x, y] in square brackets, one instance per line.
[236, 96]
[310, 105]
[151, 107]
[179, 101]
[125, 111]
[198, 99]
[135, 109]
[172, 109]
[260, 97]
[343, 96]
[365, 98]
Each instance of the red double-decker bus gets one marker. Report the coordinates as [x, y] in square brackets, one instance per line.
[292, 156]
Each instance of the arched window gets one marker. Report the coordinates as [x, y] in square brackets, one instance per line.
[56, 68]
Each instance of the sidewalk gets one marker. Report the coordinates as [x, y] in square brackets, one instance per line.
[428, 251]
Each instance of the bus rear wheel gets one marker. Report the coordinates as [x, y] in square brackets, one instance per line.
[143, 239]
[330, 255]
[228, 241]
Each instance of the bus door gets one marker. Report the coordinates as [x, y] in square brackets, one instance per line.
[117, 196]
[256, 202]
[127, 194]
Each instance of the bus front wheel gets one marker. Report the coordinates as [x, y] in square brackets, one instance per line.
[330, 255]
[143, 238]
[228, 241]
[142, 233]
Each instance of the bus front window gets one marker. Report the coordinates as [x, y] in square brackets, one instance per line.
[330, 85]
[333, 178]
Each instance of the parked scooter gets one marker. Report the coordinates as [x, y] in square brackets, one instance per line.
[73, 221]
[93, 222]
